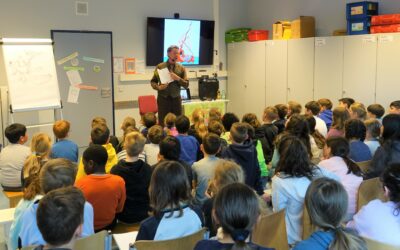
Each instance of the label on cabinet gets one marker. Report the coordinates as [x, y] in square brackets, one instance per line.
[319, 42]
[231, 45]
[270, 43]
[385, 38]
[369, 39]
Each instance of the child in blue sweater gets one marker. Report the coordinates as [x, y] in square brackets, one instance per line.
[326, 201]
[355, 132]
[190, 148]
[63, 148]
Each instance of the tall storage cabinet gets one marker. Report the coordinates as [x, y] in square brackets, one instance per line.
[276, 72]
[300, 70]
[328, 68]
[359, 68]
[246, 71]
[388, 72]
[364, 67]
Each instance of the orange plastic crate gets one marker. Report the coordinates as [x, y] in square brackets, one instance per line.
[258, 35]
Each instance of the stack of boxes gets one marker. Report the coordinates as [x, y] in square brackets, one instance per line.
[299, 28]
[359, 17]
[385, 23]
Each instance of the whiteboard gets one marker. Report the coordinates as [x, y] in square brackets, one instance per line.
[31, 76]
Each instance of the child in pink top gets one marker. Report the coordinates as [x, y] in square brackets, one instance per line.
[336, 153]
[340, 116]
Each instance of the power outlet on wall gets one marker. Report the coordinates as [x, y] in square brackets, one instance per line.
[82, 8]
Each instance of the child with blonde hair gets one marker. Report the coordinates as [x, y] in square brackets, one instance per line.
[214, 114]
[198, 129]
[40, 148]
[127, 123]
[136, 174]
[226, 172]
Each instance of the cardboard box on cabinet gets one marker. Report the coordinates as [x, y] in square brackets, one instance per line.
[303, 27]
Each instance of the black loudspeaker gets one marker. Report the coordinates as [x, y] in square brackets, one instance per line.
[208, 88]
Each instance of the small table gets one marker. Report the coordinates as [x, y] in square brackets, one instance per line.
[190, 106]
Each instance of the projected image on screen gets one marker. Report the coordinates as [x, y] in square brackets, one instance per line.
[186, 35]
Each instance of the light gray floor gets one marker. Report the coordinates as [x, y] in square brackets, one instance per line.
[3, 205]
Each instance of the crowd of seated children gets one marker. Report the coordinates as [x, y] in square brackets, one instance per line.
[203, 170]
[13, 156]
[243, 152]
[326, 111]
[228, 120]
[357, 111]
[281, 121]
[173, 214]
[164, 191]
[170, 150]
[355, 132]
[294, 108]
[337, 161]
[313, 108]
[100, 135]
[105, 192]
[40, 153]
[373, 127]
[198, 128]
[60, 218]
[152, 149]
[375, 111]
[346, 102]
[190, 147]
[339, 118]
[293, 175]
[101, 121]
[326, 203]
[226, 172]
[129, 123]
[148, 120]
[216, 127]
[379, 220]
[56, 173]
[63, 148]
[389, 152]
[236, 210]
[169, 122]
[395, 107]
[136, 174]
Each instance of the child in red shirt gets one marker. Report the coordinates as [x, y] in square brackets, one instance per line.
[106, 192]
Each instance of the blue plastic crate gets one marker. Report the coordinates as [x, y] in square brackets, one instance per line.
[358, 26]
[361, 10]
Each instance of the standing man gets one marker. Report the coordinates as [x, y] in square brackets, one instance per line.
[169, 98]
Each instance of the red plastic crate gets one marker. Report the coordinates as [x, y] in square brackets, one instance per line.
[385, 28]
[258, 35]
[385, 19]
